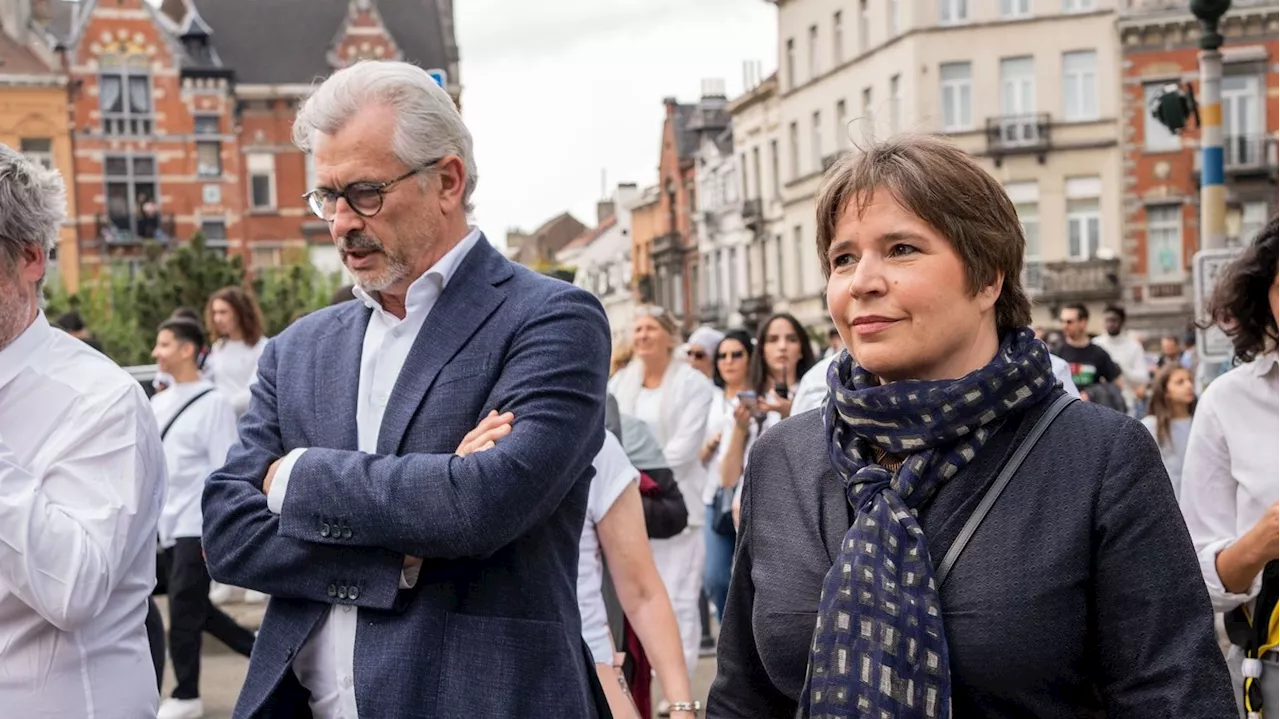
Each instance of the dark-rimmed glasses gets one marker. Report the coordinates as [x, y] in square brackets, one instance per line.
[364, 198]
[731, 354]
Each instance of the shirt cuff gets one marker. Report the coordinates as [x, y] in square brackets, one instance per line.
[409, 577]
[280, 483]
[1223, 600]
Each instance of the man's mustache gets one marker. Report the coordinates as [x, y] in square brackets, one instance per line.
[360, 243]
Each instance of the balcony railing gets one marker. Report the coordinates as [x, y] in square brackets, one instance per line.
[1018, 134]
[133, 230]
[1095, 280]
[712, 314]
[668, 243]
[1248, 152]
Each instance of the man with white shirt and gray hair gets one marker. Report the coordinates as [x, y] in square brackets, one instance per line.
[81, 485]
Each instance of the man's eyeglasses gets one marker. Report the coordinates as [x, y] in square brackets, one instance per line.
[364, 198]
[735, 354]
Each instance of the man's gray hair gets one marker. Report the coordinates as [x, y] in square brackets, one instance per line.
[428, 124]
[33, 204]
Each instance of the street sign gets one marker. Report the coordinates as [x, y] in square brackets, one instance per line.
[440, 76]
[1212, 344]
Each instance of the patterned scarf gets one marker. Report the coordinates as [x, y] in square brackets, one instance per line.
[879, 649]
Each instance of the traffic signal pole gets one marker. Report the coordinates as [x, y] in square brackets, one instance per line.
[1213, 193]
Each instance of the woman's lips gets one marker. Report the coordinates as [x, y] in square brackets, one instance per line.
[864, 329]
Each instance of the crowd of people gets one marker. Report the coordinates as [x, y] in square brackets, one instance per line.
[458, 499]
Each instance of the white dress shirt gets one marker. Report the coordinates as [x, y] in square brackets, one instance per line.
[81, 486]
[196, 445]
[233, 366]
[1229, 471]
[325, 664]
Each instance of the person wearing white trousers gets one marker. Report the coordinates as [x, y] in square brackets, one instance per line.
[674, 399]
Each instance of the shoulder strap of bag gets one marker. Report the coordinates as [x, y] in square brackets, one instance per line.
[182, 409]
[1002, 480]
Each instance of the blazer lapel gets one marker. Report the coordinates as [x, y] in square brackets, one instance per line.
[467, 301]
[337, 378]
[833, 507]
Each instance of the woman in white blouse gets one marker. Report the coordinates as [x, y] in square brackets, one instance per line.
[1229, 489]
[235, 323]
[674, 399]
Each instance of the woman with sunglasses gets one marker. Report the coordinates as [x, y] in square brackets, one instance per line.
[674, 399]
[730, 375]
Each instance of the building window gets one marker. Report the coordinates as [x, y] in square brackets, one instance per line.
[124, 95]
[1164, 242]
[131, 194]
[895, 103]
[951, 12]
[265, 257]
[867, 114]
[1253, 217]
[779, 280]
[791, 62]
[842, 124]
[793, 138]
[746, 187]
[1015, 8]
[797, 279]
[38, 149]
[775, 171]
[755, 172]
[895, 18]
[815, 139]
[1025, 197]
[1241, 120]
[813, 51]
[209, 158]
[262, 181]
[1077, 5]
[957, 96]
[215, 234]
[864, 26]
[1017, 86]
[1155, 136]
[208, 125]
[1084, 228]
[1080, 86]
[837, 37]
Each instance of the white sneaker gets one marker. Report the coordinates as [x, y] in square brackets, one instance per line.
[181, 709]
[224, 593]
[253, 596]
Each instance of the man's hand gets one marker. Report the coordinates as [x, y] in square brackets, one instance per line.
[491, 429]
[271, 475]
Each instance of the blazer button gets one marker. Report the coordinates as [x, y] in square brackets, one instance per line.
[324, 530]
[353, 593]
[332, 590]
[342, 592]
[346, 532]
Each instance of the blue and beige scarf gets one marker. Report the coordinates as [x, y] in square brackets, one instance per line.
[879, 646]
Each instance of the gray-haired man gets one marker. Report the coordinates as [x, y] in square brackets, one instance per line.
[82, 479]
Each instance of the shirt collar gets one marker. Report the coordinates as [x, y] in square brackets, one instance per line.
[441, 272]
[1263, 363]
[22, 350]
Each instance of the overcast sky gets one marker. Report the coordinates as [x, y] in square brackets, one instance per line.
[555, 91]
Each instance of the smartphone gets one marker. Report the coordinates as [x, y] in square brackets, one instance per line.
[748, 398]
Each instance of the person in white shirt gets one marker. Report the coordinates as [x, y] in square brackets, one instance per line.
[235, 321]
[198, 426]
[82, 480]
[700, 348]
[1129, 356]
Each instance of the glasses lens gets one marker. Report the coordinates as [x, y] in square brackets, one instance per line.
[321, 204]
[365, 200]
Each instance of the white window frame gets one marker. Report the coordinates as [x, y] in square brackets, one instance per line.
[1155, 136]
[895, 103]
[793, 138]
[1025, 196]
[895, 18]
[1084, 213]
[953, 12]
[1071, 6]
[842, 121]
[815, 138]
[1017, 86]
[38, 149]
[864, 26]
[868, 111]
[1080, 101]
[958, 88]
[837, 38]
[1014, 9]
[1242, 134]
[262, 164]
[813, 52]
[1164, 222]
[791, 62]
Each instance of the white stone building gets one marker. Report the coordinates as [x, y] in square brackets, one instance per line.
[603, 259]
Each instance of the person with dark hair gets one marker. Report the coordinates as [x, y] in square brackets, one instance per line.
[236, 328]
[1230, 498]
[1127, 353]
[198, 427]
[920, 548]
[1168, 419]
[784, 353]
[73, 324]
[834, 343]
[1090, 364]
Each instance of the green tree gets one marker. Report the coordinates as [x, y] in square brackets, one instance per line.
[289, 292]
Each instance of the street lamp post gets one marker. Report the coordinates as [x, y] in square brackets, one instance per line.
[1213, 193]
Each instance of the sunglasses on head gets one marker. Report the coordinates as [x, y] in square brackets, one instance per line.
[735, 354]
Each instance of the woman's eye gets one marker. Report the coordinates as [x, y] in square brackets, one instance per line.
[842, 260]
[901, 249]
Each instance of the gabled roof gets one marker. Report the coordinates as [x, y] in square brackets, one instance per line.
[288, 41]
[18, 60]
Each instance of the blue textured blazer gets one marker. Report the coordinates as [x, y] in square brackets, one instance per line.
[491, 629]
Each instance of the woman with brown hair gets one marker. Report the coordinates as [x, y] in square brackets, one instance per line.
[1229, 495]
[1172, 402]
[953, 535]
[235, 324]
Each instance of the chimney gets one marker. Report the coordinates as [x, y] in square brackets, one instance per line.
[604, 210]
[670, 103]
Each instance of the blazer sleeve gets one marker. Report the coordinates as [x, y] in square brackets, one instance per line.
[442, 506]
[1156, 649]
[242, 540]
[742, 688]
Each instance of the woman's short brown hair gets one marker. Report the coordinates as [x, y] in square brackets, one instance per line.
[939, 183]
[248, 314]
[1240, 302]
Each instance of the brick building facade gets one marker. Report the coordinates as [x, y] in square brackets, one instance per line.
[1159, 40]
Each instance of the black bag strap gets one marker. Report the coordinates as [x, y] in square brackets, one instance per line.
[1002, 480]
[182, 409]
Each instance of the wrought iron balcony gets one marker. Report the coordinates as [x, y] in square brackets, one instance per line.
[127, 230]
[1018, 134]
[669, 243]
[1095, 280]
[1248, 153]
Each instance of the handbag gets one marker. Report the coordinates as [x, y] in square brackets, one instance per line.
[722, 511]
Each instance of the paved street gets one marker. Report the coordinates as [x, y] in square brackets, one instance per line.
[223, 671]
